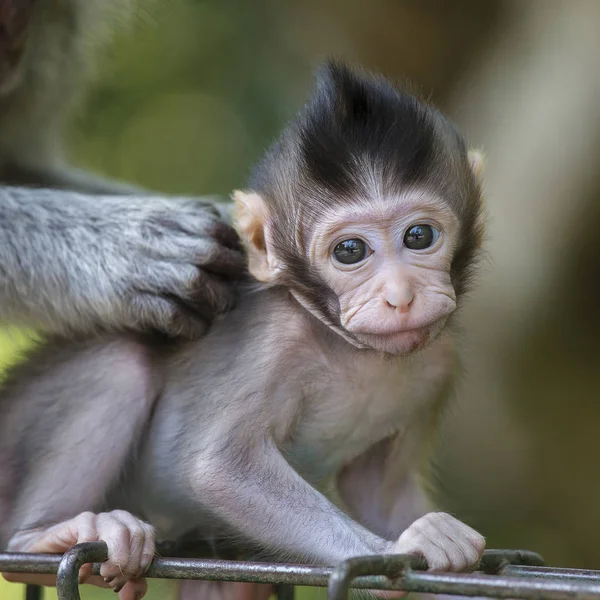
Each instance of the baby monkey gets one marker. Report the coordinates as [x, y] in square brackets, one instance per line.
[300, 422]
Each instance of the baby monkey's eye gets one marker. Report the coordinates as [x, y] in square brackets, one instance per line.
[350, 252]
[419, 237]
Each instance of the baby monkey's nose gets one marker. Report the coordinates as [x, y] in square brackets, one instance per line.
[398, 294]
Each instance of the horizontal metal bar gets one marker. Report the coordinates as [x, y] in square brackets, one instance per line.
[400, 569]
[514, 581]
[187, 568]
[497, 586]
[179, 568]
[67, 577]
[494, 560]
[38, 564]
[551, 573]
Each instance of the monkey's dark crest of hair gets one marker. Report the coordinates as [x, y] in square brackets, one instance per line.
[356, 125]
[354, 119]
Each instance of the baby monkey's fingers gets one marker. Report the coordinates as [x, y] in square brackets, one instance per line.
[130, 547]
[53, 540]
[134, 589]
[130, 550]
[446, 543]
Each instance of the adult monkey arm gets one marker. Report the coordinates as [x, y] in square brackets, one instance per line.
[69, 264]
[80, 262]
[46, 55]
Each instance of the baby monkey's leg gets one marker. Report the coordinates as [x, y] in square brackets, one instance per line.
[130, 549]
[72, 417]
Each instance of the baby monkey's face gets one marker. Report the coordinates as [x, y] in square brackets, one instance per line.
[368, 210]
[388, 260]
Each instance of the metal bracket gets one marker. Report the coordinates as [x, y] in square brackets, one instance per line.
[67, 576]
[501, 574]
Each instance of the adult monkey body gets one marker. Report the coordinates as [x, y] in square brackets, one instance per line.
[46, 55]
[77, 262]
[299, 422]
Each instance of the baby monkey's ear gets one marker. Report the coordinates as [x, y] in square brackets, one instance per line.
[252, 222]
[477, 163]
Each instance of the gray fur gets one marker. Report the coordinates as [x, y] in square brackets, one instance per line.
[247, 430]
[70, 262]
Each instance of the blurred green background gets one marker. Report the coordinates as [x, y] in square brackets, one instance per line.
[188, 97]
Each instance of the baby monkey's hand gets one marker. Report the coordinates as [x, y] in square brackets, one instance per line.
[446, 543]
[130, 550]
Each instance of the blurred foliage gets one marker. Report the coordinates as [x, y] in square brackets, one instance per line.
[189, 98]
[194, 92]
[157, 590]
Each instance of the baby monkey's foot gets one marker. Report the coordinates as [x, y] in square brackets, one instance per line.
[446, 543]
[130, 548]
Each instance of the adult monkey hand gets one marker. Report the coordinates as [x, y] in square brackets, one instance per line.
[73, 263]
[111, 256]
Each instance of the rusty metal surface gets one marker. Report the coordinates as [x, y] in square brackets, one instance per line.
[502, 574]
[67, 575]
[505, 574]
[547, 573]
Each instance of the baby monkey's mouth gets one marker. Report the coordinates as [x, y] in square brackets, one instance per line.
[396, 329]
[403, 340]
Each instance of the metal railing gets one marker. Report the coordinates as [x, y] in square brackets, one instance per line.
[501, 574]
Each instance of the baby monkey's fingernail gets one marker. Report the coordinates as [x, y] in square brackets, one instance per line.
[144, 565]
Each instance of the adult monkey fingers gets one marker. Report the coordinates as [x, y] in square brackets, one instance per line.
[68, 264]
